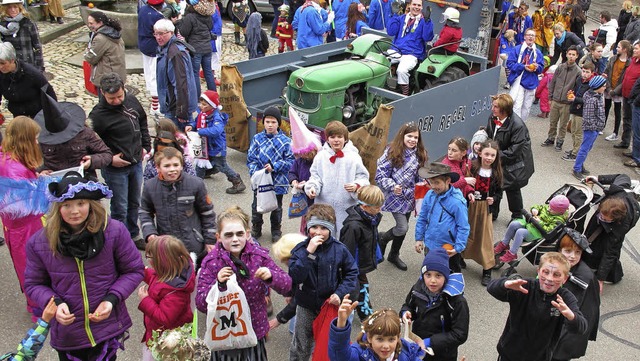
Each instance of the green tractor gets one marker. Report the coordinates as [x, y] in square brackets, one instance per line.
[342, 90]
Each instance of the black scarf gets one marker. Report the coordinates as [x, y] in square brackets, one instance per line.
[84, 245]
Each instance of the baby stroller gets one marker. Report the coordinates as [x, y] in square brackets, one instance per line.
[580, 197]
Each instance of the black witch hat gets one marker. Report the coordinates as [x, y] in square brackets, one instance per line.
[59, 121]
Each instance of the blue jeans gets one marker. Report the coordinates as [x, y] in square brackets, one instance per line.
[274, 24]
[126, 184]
[204, 60]
[635, 124]
[588, 138]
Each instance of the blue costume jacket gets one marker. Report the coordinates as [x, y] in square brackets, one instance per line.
[410, 41]
[311, 26]
[379, 14]
[341, 8]
[147, 16]
[529, 79]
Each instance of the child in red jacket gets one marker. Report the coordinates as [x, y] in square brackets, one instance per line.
[451, 33]
[542, 92]
[166, 301]
[284, 31]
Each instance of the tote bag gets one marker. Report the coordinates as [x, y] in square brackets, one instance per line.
[262, 184]
[298, 205]
[228, 318]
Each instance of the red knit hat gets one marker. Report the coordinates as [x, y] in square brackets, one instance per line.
[212, 98]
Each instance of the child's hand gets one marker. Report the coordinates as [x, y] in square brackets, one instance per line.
[263, 273]
[470, 181]
[419, 246]
[143, 292]
[273, 323]
[63, 316]
[534, 212]
[397, 189]
[490, 200]
[563, 308]
[313, 245]
[516, 285]
[188, 128]
[345, 310]
[268, 167]
[471, 197]
[224, 274]
[49, 311]
[451, 252]
[351, 187]
[334, 299]
[406, 317]
[311, 193]
[102, 312]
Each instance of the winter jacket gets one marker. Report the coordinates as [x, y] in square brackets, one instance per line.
[506, 46]
[254, 288]
[113, 273]
[572, 345]
[168, 305]
[600, 65]
[561, 49]
[176, 82]
[542, 92]
[196, 30]
[300, 170]
[105, 53]
[26, 42]
[593, 115]
[519, 25]
[22, 89]
[563, 80]
[444, 319]
[515, 151]
[379, 14]
[387, 176]
[624, 18]
[360, 236]
[463, 168]
[631, 74]
[516, 63]
[449, 34]
[274, 149]
[330, 269]
[341, 9]
[611, 27]
[579, 90]
[284, 30]
[410, 41]
[607, 244]
[328, 179]
[182, 209]
[31, 344]
[617, 89]
[311, 24]
[341, 350]
[147, 17]
[215, 133]
[151, 171]
[632, 32]
[534, 325]
[69, 154]
[123, 128]
[443, 219]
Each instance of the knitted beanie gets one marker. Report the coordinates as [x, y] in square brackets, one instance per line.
[273, 112]
[480, 136]
[597, 82]
[437, 260]
[212, 98]
[559, 204]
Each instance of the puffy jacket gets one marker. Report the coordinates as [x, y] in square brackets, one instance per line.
[196, 30]
[147, 17]
[445, 321]
[105, 53]
[611, 27]
[341, 350]
[114, 272]
[360, 236]
[176, 81]
[443, 219]
[529, 79]
[411, 42]
[254, 288]
[274, 149]
[330, 269]
[215, 133]
[379, 14]
[564, 79]
[182, 209]
[22, 89]
[168, 305]
[515, 151]
[532, 332]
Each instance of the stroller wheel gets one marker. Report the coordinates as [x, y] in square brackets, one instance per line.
[508, 272]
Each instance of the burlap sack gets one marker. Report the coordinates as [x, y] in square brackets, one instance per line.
[233, 104]
[371, 139]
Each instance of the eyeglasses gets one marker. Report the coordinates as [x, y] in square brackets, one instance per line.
[161, 33]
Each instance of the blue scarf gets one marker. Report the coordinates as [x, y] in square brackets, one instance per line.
[561, 40]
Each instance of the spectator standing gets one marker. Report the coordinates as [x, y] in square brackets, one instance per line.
[577, 19]
[196, 27]
[630, 76]
[174, 73]
[624, 18]
[121, 122]
[105, 50]
[525, 62]
[148, 15]
[595, 57]
[632, 32]
[615, 70]
[21, 32]
[576, 110]
[609, 27]
[563, 41]
[593, 122]
[520, 21]
[560, 91]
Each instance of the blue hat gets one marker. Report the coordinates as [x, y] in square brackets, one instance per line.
[436, 260]
[597, 81]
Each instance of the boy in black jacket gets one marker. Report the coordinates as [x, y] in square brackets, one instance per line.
[360, 234]
[437, 309]
[539, 309]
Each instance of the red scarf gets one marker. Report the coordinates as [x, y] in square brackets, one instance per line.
[201, 121]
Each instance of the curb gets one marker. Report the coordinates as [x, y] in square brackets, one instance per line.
[65, 28]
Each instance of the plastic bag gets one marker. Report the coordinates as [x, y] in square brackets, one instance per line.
[262, 183]
[298, 205]
[228, 318]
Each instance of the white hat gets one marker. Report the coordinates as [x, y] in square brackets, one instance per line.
[7, 2]
[452, 14]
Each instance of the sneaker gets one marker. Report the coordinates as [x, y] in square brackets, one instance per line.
[600, 133]
[500, 247]
[547, 143]
[578, 175]
[569, 157]
[558, 147]
[508, 257]
[612, 138]
[569, 152]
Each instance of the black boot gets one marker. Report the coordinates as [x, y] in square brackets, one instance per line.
[52, 18]
[384, 238]
[236, 37]
[394, 253]
[256, 231]
[486, 277]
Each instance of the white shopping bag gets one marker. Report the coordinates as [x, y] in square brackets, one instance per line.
[262, 183]
[228, 318]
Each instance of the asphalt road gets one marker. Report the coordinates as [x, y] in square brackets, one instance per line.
[618, 338]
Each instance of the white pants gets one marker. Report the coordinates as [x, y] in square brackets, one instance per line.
[522, 101]
[216, 57]
[405, 64]
[149, 68]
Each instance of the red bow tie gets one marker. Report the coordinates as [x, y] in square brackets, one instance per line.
[339, 154]
[497, 122]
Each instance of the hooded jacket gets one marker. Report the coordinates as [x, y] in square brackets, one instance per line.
[443, 219]
[22, 89]
[196, 30]
[123, 128]
[105, 53]
[611, 27]
[168, 305]
[113, 273]
[176, 81]
[361, 238]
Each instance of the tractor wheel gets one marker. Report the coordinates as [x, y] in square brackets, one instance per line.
[451, 74]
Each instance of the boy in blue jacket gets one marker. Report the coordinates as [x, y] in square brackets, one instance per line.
[443, 221]
[324, 270]
[210, 123]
